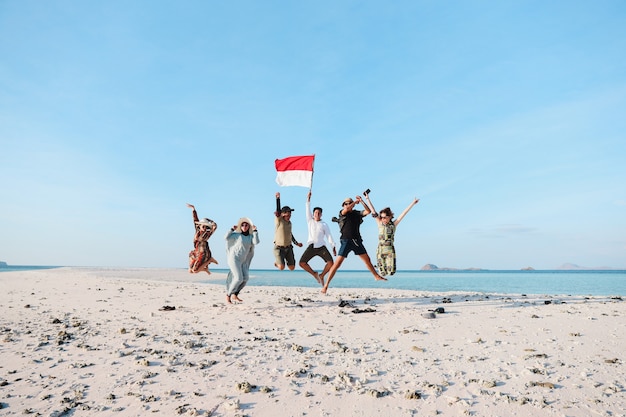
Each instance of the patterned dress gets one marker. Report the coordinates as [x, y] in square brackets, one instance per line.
[201, 252]
[385, 252]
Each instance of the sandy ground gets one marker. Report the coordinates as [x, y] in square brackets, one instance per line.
[98, 342]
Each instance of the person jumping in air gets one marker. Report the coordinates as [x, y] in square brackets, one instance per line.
[240, 242]
[350, 223]
[385, 251]
[200, 257]
[316, 246]
[283, 238]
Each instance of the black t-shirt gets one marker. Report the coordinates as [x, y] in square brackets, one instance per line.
[350, 223]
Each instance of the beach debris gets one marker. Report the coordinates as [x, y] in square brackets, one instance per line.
[536, 356]
[363, 310]
[341, 346]
[614, 360]
[167, 308]
[484, 383]
[79, 365]
[344, 303]
[245, 386]
[377, 394]
[438, 310]
[446, 300]
[143, 362]
[549, 385]
[412, 395]
[63, 337]
[182, 409]
[192, 344]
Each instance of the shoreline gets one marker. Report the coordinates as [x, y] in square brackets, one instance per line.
[537, 284]
[79, 339]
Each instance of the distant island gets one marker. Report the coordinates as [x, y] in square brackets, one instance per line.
[3, 264]
[564, 267]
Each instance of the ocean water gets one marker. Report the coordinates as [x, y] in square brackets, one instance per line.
[561, 282]
[558, 282]
[10, 268]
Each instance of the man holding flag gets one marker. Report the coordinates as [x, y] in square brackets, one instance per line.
[291, 171]
[283, 238]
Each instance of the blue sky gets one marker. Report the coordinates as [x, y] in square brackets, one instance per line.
[506, 119]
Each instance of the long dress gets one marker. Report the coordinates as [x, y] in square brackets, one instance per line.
[200, 254]
[239, 251]
[385, 252]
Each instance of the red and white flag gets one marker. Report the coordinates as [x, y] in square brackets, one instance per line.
[295, 170]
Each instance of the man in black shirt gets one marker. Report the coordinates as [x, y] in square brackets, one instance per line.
[349, 224]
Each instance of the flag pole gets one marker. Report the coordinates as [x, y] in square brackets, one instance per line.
[312, 172]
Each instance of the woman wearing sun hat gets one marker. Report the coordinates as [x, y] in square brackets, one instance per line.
[200, 257]
[240, 242]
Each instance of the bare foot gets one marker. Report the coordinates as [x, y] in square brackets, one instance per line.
[190, 271]
[207, 271]
[237, 298]
[228, 299]
[317, 278]
[212, 261]
[379, 278]
[324, 289]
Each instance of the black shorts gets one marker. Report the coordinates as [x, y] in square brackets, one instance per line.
[351, 245]
[312, 252]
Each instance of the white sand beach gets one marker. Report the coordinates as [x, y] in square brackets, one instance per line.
[97, 342]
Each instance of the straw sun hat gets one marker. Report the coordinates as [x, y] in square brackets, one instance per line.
[244, 220]
[205, 222]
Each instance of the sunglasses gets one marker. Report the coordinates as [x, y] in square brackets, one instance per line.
[385, 217]
[346, 203]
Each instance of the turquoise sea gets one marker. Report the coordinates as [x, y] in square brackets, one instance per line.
[557, 282]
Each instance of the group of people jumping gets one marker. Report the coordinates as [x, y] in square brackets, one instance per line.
[242, 238]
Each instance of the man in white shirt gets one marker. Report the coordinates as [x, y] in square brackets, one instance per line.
[316, 245]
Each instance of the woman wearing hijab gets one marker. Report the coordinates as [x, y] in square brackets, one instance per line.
[240, 242]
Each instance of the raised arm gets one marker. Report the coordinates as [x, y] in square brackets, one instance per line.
[366, 209]
[194, 213]
[374, 212]
[277, 212]
[406, 210]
